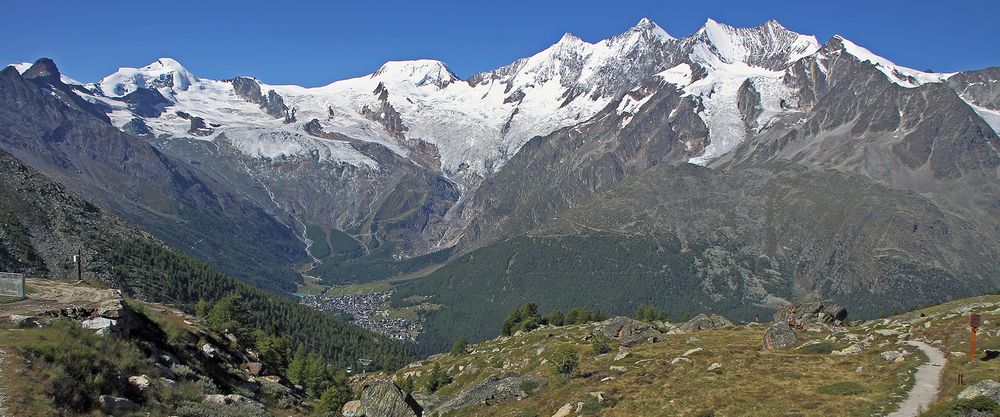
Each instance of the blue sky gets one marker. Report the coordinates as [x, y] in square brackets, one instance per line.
[314, 43]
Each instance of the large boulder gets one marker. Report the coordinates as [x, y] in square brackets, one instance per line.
[495, 389]
[988, 388]
[630, 332]
[779, 336]
[704, 321]
[813, 312]
[383, 399]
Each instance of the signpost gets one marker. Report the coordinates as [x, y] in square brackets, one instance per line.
[975, 321]
[364, 365]
[11, 285]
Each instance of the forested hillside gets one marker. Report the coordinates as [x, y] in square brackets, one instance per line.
[44, 225]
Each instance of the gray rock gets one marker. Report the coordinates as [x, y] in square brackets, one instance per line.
[384, 399]
[705, 321]
[139, 381]
[495, 389]
[892, 355]
[209, 350]
[692, 352]
[630, 332]
[22, 322]
[988, 388]
[813, 312]
[779, 336]
[351, 408]
[116, 406]
[426, 401]
[100, 324]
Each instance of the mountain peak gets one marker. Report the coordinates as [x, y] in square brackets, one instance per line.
[420, 72]
[569, 38]
[42, 68]
[648, 26]
[162, 73]
[769, 45]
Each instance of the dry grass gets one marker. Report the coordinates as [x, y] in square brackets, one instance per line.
[751, 382]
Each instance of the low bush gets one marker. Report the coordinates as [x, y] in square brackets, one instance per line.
[193, 409]
[961, 408]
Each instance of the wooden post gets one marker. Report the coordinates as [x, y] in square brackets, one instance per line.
[975, 320]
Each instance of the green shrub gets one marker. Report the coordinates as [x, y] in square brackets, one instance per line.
[600, 343]
[334, 398]
[460, 347]
[565, 359]
[437, 379]
[183, 371]
[405, 384]
[277, 394]
[843, 388]
[649, 313]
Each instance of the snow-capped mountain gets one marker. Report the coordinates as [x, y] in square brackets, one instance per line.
[475, 125]
[740, 83]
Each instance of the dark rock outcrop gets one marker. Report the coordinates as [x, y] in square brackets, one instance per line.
[136, 127]
[272, 103]
[198, 127]
[812, 312]
[146, 102]
[779, 336]
[384, 399]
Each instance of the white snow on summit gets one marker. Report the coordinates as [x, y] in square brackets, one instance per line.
[906, 77]
[164, 73]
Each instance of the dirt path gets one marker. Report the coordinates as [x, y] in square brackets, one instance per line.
[927, 385]
[45, 295]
